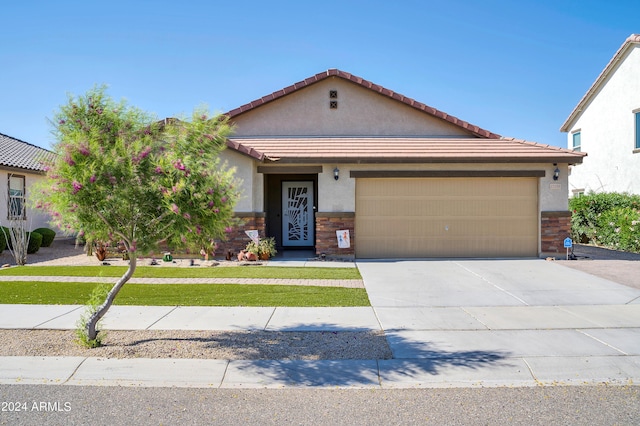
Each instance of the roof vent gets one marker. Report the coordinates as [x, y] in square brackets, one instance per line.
[333, 104]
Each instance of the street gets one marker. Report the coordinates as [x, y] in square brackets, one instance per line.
[75, 405]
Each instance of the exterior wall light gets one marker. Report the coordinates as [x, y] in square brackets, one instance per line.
[336, 173]
[556, 173]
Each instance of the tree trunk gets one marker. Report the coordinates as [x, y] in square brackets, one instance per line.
[92, 333]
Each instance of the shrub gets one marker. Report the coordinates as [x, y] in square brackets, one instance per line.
[588, 209]
[5, 238]
[619, 228]
[35, 241]
[47, 236]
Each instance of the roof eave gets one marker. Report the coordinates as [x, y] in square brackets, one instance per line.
[427, 160]
[245, 150]
[631, 41]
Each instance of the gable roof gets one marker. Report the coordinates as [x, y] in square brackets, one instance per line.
[631, 41]
[18, 154]
[400, 150]
[475, 130]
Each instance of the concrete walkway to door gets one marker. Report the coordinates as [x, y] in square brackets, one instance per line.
[475, 322]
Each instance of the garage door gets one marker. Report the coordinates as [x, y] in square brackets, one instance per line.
[446, 217]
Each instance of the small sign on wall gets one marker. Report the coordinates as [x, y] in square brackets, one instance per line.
[344, 241]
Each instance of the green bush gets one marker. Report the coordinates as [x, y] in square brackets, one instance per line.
[587, 210]
[3, 241]
[5, 237]
[47, 236]
[619, 228]
[609, 219]
[35, 241]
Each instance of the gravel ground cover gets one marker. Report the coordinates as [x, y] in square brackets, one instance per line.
[249, 345]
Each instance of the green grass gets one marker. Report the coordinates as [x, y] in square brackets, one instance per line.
[196, 272]
[22, 292]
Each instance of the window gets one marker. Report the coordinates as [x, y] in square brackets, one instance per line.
[637, 117]
[576, 141]
[16, 208]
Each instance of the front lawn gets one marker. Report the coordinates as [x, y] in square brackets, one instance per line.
[52, 293]
[195, 272]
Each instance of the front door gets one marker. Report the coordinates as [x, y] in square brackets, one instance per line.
[297, 214]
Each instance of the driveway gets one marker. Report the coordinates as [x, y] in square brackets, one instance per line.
[489, 320]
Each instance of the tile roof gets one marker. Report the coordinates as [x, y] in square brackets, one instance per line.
[475, 130]
[400, 150]
[22, 155]
[631, 41]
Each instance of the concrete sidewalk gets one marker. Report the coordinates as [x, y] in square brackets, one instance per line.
[466, 347]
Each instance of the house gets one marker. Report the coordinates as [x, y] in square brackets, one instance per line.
[20, 167]
[606, 124]
[345, 167]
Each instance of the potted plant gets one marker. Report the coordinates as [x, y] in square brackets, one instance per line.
[263, 250]
[267, 248]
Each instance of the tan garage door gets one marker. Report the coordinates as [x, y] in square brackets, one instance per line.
[446, 217]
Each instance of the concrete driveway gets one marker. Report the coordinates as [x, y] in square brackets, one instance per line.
[484, 320]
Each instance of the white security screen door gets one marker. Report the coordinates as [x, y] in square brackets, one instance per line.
[297, 214]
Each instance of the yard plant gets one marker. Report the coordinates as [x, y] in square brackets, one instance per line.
[123, 176]
[608, 219]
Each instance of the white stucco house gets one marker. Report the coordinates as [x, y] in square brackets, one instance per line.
[397, 178]
[20, 167]
[606, 124]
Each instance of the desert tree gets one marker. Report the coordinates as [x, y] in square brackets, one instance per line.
[120, 175]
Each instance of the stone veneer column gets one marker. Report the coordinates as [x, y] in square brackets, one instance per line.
[327, 223]
[237, 240]
[555, 226]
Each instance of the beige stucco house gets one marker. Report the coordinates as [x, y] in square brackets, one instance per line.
[606, 124]
[20, 168]
[336, 152]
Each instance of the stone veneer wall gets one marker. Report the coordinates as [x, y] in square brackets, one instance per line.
[237, 240]
[555, 226]
[327, 223]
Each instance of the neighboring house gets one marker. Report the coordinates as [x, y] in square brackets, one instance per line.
[606, 124]
[20, 167]
[338, 153]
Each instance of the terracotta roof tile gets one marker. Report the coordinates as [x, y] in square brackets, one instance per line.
[633, 39]
[401, 150]
[477, 131]
[22, 155]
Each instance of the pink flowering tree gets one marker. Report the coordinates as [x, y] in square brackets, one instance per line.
[123, 176]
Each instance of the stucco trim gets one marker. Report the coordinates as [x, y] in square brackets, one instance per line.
[445, 173]
[335, 214]
[249, 214]
[558, 213]
[301, 170]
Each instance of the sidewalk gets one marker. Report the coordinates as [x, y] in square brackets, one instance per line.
[570, 353]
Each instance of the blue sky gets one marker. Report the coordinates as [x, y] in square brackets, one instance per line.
[516, 68]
